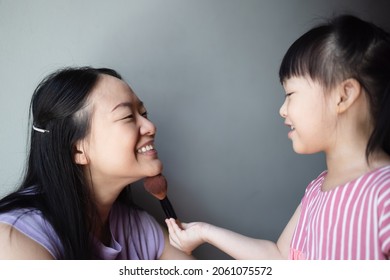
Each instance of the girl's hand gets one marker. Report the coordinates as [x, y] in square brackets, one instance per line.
[186, 238]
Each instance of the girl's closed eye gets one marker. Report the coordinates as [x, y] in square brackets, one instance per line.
[289, 94]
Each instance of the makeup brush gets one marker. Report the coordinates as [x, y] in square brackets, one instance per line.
[157, 186]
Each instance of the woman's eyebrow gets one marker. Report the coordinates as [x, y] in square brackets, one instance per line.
[127, 104]
[123, 104]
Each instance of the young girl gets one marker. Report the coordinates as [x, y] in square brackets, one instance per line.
[90, 139]
[337, 83]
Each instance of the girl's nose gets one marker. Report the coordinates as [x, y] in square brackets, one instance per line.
[147, 127]
[283, 110]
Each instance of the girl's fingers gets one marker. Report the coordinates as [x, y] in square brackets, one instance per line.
[174, 226]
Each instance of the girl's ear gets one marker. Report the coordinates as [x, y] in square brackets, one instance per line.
[349, 91]
[79, 154]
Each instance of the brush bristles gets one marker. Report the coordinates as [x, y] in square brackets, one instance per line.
[156, 186]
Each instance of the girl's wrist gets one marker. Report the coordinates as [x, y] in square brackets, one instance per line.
[205, 232]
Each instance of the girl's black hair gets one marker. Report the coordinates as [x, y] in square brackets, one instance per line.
[60, 190]
[347, 47]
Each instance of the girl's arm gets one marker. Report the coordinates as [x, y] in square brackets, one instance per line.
[14, 245]
[172, 253]
[234, 244]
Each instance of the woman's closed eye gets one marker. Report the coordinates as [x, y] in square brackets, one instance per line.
[128, 117]
[131, 116]
[145, 114]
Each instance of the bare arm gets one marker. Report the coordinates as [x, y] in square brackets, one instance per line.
[234, 244]
[14, 245]
[285, 238]
[172, 253]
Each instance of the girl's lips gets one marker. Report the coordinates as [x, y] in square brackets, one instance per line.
[292, 129]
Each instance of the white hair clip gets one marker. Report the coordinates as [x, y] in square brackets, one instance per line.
[40, 129]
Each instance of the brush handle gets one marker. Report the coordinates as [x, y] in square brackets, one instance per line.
[168, 209]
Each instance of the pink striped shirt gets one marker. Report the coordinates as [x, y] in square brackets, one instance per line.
[351, 221]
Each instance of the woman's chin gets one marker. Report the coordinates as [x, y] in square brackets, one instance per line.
[155, 170]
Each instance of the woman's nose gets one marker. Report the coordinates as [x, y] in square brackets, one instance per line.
[147, 127]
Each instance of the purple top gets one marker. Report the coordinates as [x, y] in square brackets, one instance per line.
[135, 235]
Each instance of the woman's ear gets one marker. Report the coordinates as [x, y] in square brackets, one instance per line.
[79, 153]
[349, 91]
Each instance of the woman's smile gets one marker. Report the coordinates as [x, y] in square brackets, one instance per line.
[147, 149]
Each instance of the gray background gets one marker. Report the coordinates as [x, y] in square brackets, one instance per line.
[207, 72]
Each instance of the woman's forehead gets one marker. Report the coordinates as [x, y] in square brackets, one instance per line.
[110, 92]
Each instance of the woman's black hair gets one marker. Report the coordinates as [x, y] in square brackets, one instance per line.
[53, 182]
[347, 47]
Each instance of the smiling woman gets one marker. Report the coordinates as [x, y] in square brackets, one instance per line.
[90, 139]
[119, 129]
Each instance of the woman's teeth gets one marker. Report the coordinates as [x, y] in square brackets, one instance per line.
[292, 128]
[145, 149]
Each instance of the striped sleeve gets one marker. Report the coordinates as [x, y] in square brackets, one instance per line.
[384, 221]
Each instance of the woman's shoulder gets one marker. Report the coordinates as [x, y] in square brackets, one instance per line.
[19, 216]
[27, 228]
[16, 245]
